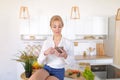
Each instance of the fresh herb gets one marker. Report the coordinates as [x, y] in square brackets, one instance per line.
[88, 74]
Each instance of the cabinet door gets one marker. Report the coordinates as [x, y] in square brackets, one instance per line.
[35, 25]
[83, 26]
[100, 25]
[110, 72]
[89, 26]
[117, 73]
[104, 61]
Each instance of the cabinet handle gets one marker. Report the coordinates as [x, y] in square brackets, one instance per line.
[96, 68]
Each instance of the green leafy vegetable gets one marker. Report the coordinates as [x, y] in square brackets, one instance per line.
[88, 74]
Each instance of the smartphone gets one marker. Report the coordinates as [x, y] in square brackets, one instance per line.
[59, 49]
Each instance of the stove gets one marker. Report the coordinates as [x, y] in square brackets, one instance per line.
[106, 71]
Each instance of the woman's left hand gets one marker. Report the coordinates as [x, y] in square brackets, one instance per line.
[63, 54]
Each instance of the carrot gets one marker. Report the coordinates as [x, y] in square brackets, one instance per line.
[75, 71]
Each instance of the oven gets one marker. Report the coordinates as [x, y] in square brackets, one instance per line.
[106, 71]
[100, 71]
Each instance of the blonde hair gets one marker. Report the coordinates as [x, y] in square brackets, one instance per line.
[56, 18]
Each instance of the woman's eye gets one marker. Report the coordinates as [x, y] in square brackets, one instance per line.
[54, 26]
[57, 26]
[60, 26]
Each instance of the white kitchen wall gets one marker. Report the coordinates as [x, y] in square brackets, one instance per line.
[84, 47]
[110, 42]
[9, 23]
[63, 7]
[9, 39]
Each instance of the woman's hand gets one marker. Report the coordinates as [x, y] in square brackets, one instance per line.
[62, 54]
[49, 51]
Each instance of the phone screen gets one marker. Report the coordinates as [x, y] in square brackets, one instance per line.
[58, 49]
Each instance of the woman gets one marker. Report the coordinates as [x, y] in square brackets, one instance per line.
[54, 60]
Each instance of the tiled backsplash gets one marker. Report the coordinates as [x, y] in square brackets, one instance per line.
[84, 47]
[32, 46]
[79, 47]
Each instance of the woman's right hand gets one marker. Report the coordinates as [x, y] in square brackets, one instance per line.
[49, 51]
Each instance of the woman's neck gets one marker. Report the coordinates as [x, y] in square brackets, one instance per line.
[57, 37]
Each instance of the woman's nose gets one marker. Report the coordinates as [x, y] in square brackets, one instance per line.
[57, 28]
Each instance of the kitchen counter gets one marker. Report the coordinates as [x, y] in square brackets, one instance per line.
[94, 60]
[79, 57]
[97, 78]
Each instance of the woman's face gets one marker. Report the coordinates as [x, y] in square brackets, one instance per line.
[56, 27]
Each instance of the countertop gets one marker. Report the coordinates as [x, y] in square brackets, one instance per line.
[80, 57]
[97, 78]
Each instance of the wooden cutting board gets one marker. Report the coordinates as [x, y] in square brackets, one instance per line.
[74, 75]
[100, 49]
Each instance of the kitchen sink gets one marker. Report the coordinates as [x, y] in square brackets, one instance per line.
[106, 71]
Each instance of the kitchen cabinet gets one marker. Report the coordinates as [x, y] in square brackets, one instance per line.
[113, 72]
[86, 61]
[93, 25]
[117, 73]
[106, 72]
[104, 61]
[99, 70]
[96, 61]
[35, 26]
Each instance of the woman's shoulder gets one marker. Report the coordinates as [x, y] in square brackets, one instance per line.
[68, 43]
[67, 40]
[48, 39]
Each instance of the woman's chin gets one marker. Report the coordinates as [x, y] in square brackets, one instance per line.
[57, 33]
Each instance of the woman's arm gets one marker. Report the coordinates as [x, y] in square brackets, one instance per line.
[42, 57]
[70, 54]
[45, 51]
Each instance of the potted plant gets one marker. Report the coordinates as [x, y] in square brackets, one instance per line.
[28, 68]
[27, 59]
